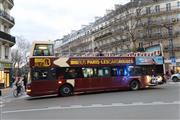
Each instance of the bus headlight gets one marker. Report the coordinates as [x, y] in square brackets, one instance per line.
[159, 78]
[148, 78]
[28, 90]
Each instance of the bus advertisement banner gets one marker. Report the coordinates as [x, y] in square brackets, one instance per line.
[158, 60]
[100, 61]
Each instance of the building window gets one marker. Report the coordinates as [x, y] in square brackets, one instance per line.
[157, 8]
[148, 10]
[6, 52]
[178, 3]
[168, 7]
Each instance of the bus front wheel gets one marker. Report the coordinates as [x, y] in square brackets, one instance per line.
[134, 85]
[65, 90]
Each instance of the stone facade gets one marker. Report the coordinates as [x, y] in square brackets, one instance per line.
[6, 41]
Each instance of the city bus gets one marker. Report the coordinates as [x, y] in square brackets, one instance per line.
[65, 76]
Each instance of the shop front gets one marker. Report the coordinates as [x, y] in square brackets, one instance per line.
[169, 66]
[178, 67]
[5, 75]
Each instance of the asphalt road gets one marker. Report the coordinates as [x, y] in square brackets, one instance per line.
[162, 102]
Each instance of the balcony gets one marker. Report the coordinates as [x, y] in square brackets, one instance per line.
[11, 3]
[173, 10]
[7, 37]
[103, 36]
[176, 47]
[7, 17]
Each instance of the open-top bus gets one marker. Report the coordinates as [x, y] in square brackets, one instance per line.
[65, 76]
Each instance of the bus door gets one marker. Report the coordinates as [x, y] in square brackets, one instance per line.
[44, 81]
[81, 76]
[104, 78]
[117, 76]
[90, 80]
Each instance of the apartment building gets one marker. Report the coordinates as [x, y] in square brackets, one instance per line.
[139, 23]
[6, 41]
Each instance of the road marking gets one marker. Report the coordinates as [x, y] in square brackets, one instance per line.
[75, 106]
[173, 83]
[137, 103]
[97, 105]
[158, 102]
[93, 106]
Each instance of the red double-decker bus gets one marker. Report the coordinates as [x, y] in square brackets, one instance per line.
[65, 76]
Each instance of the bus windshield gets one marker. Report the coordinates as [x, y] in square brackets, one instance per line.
[43, 50]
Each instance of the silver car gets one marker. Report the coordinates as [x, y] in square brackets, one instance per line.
[175, 77]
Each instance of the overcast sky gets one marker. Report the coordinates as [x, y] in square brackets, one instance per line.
[51, 19]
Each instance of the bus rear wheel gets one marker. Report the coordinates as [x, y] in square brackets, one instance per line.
[65, 90]
[134, 85]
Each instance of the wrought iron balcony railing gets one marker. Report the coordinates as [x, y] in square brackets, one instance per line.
[7, 37]
[11, 1]
[7, 16]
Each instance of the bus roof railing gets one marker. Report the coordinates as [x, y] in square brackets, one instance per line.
[106, 54]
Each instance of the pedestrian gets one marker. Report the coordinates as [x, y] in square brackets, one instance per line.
[25, 81]
[172, 72]
[167, 75]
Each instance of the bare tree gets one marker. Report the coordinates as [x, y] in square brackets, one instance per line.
[131, 22]
[19, 53]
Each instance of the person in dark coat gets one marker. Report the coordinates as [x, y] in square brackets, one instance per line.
[25, 81]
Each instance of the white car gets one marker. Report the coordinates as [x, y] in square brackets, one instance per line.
[175, 77]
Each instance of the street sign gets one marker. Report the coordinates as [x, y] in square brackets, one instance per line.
[173, 61]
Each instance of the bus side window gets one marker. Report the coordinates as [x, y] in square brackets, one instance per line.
[72, 72]
[40, 74]
[87, 72]
[117, 71]
[104, 72]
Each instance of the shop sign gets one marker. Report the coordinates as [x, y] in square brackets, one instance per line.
[5, 65]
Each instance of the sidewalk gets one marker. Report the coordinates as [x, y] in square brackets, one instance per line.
[6, 91]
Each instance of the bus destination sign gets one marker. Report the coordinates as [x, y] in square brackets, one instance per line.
[100, 61]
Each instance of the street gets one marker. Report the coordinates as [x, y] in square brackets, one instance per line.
[162, 102]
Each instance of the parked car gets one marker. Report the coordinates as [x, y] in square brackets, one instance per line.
[175, 77]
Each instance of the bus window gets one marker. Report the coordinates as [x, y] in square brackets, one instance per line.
[135, 71]
[117, 71]
[43, 50]
[72, 73]
[103, 72]
[44, 74]
[40, 74]
[88, 72]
